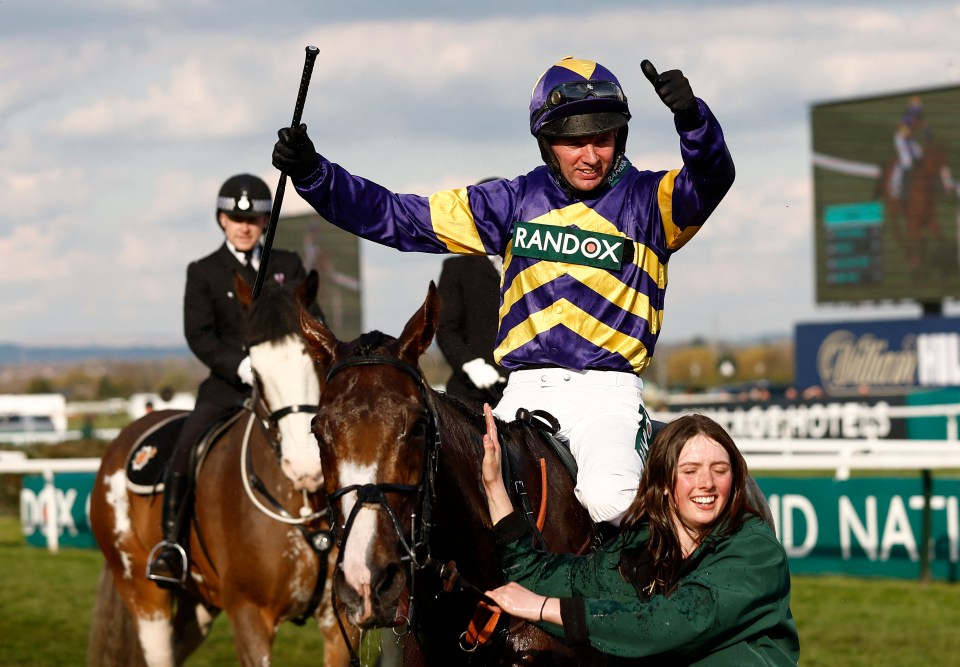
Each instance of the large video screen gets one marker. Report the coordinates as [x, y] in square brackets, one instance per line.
[885, 199]
[335, 254]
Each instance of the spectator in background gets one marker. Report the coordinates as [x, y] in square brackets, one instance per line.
[86, 428]
[469, 290]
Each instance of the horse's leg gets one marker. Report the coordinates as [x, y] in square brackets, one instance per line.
[150, 607]
[152, 613]
[191, 624]
[253, 634]
[113, 637]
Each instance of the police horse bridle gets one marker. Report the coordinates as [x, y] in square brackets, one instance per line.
[319, 540]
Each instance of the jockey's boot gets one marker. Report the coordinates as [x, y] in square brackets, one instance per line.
[168, 560]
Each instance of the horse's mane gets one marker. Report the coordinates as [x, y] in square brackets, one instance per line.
[464, 418]
[273, 316]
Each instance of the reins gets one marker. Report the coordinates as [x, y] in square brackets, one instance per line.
[416, 549]
[321, 541]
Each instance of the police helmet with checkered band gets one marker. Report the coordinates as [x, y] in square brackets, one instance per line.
[244, 196]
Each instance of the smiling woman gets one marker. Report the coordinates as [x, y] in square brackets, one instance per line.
[693, 555]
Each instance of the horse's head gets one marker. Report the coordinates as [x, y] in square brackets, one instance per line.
[288, 380]
[374, 430]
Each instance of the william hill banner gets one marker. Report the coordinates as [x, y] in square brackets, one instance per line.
[879, 358]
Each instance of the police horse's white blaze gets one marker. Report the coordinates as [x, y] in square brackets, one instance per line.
[292, 381]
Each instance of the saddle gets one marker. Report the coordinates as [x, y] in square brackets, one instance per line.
[549, 427]
[150, 453]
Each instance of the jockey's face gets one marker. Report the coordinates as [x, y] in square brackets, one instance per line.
[243, 232]
[584, 161]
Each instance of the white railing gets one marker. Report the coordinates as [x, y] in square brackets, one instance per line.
[17, 463]
[53, 437]
[842, 456]
[839, 455]
[845, 454]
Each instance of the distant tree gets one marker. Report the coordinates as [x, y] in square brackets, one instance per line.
[40, 385]
[108, 388]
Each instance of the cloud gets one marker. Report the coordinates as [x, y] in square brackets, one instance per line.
[120, 119]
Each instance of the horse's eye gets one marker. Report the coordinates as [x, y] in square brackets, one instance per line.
[419, 429]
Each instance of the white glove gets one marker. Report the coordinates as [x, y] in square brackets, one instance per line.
[245, 371]
[481, 374]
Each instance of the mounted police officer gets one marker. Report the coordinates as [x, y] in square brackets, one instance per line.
[585, 242]
[213, 326]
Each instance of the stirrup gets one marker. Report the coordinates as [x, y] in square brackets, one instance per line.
[163, 579]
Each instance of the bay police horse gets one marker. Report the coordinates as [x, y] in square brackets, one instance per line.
[402, 466]
[255, 536]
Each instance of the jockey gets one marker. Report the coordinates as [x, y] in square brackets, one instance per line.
[585, 241]
[908, 141]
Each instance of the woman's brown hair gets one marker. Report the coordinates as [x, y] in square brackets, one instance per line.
[655, 504]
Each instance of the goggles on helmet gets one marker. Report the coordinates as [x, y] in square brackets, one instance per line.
[576, 91]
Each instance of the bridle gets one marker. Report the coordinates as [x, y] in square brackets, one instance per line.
[268, 421]
[417, 548]
[320, 540]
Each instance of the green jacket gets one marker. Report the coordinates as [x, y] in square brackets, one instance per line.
[731, 608]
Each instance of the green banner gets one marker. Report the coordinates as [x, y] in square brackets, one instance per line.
[71, 503]
[568, 244]
[866, 526]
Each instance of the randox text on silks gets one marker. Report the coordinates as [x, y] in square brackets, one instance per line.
[568, 244]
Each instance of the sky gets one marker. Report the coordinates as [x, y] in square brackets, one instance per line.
[119, 120]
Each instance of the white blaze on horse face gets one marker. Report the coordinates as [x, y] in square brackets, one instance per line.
[289, 377]
[359, 546]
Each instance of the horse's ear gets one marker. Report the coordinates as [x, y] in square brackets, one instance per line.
[321, 343]
[307, 290]
[244, 291]
[418, 333]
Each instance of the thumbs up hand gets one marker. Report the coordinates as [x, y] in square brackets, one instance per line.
[675, 91]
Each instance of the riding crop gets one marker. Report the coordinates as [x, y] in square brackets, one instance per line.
[309, 60]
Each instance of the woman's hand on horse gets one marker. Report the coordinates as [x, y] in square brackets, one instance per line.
[498, 502]
[523, 603]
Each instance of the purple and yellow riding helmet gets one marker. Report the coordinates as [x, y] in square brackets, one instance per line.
[578, 98]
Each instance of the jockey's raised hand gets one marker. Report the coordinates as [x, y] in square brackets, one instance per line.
[294, 153]
[674, 91]
[498, 502]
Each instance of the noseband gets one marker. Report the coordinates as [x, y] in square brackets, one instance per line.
[417, 547]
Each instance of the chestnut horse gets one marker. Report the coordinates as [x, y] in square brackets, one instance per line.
[256, 535]
[402, 466]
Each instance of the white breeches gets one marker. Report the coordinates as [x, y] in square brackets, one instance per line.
[599, 415]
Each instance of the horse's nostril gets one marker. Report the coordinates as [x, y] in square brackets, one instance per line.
[391, 582]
